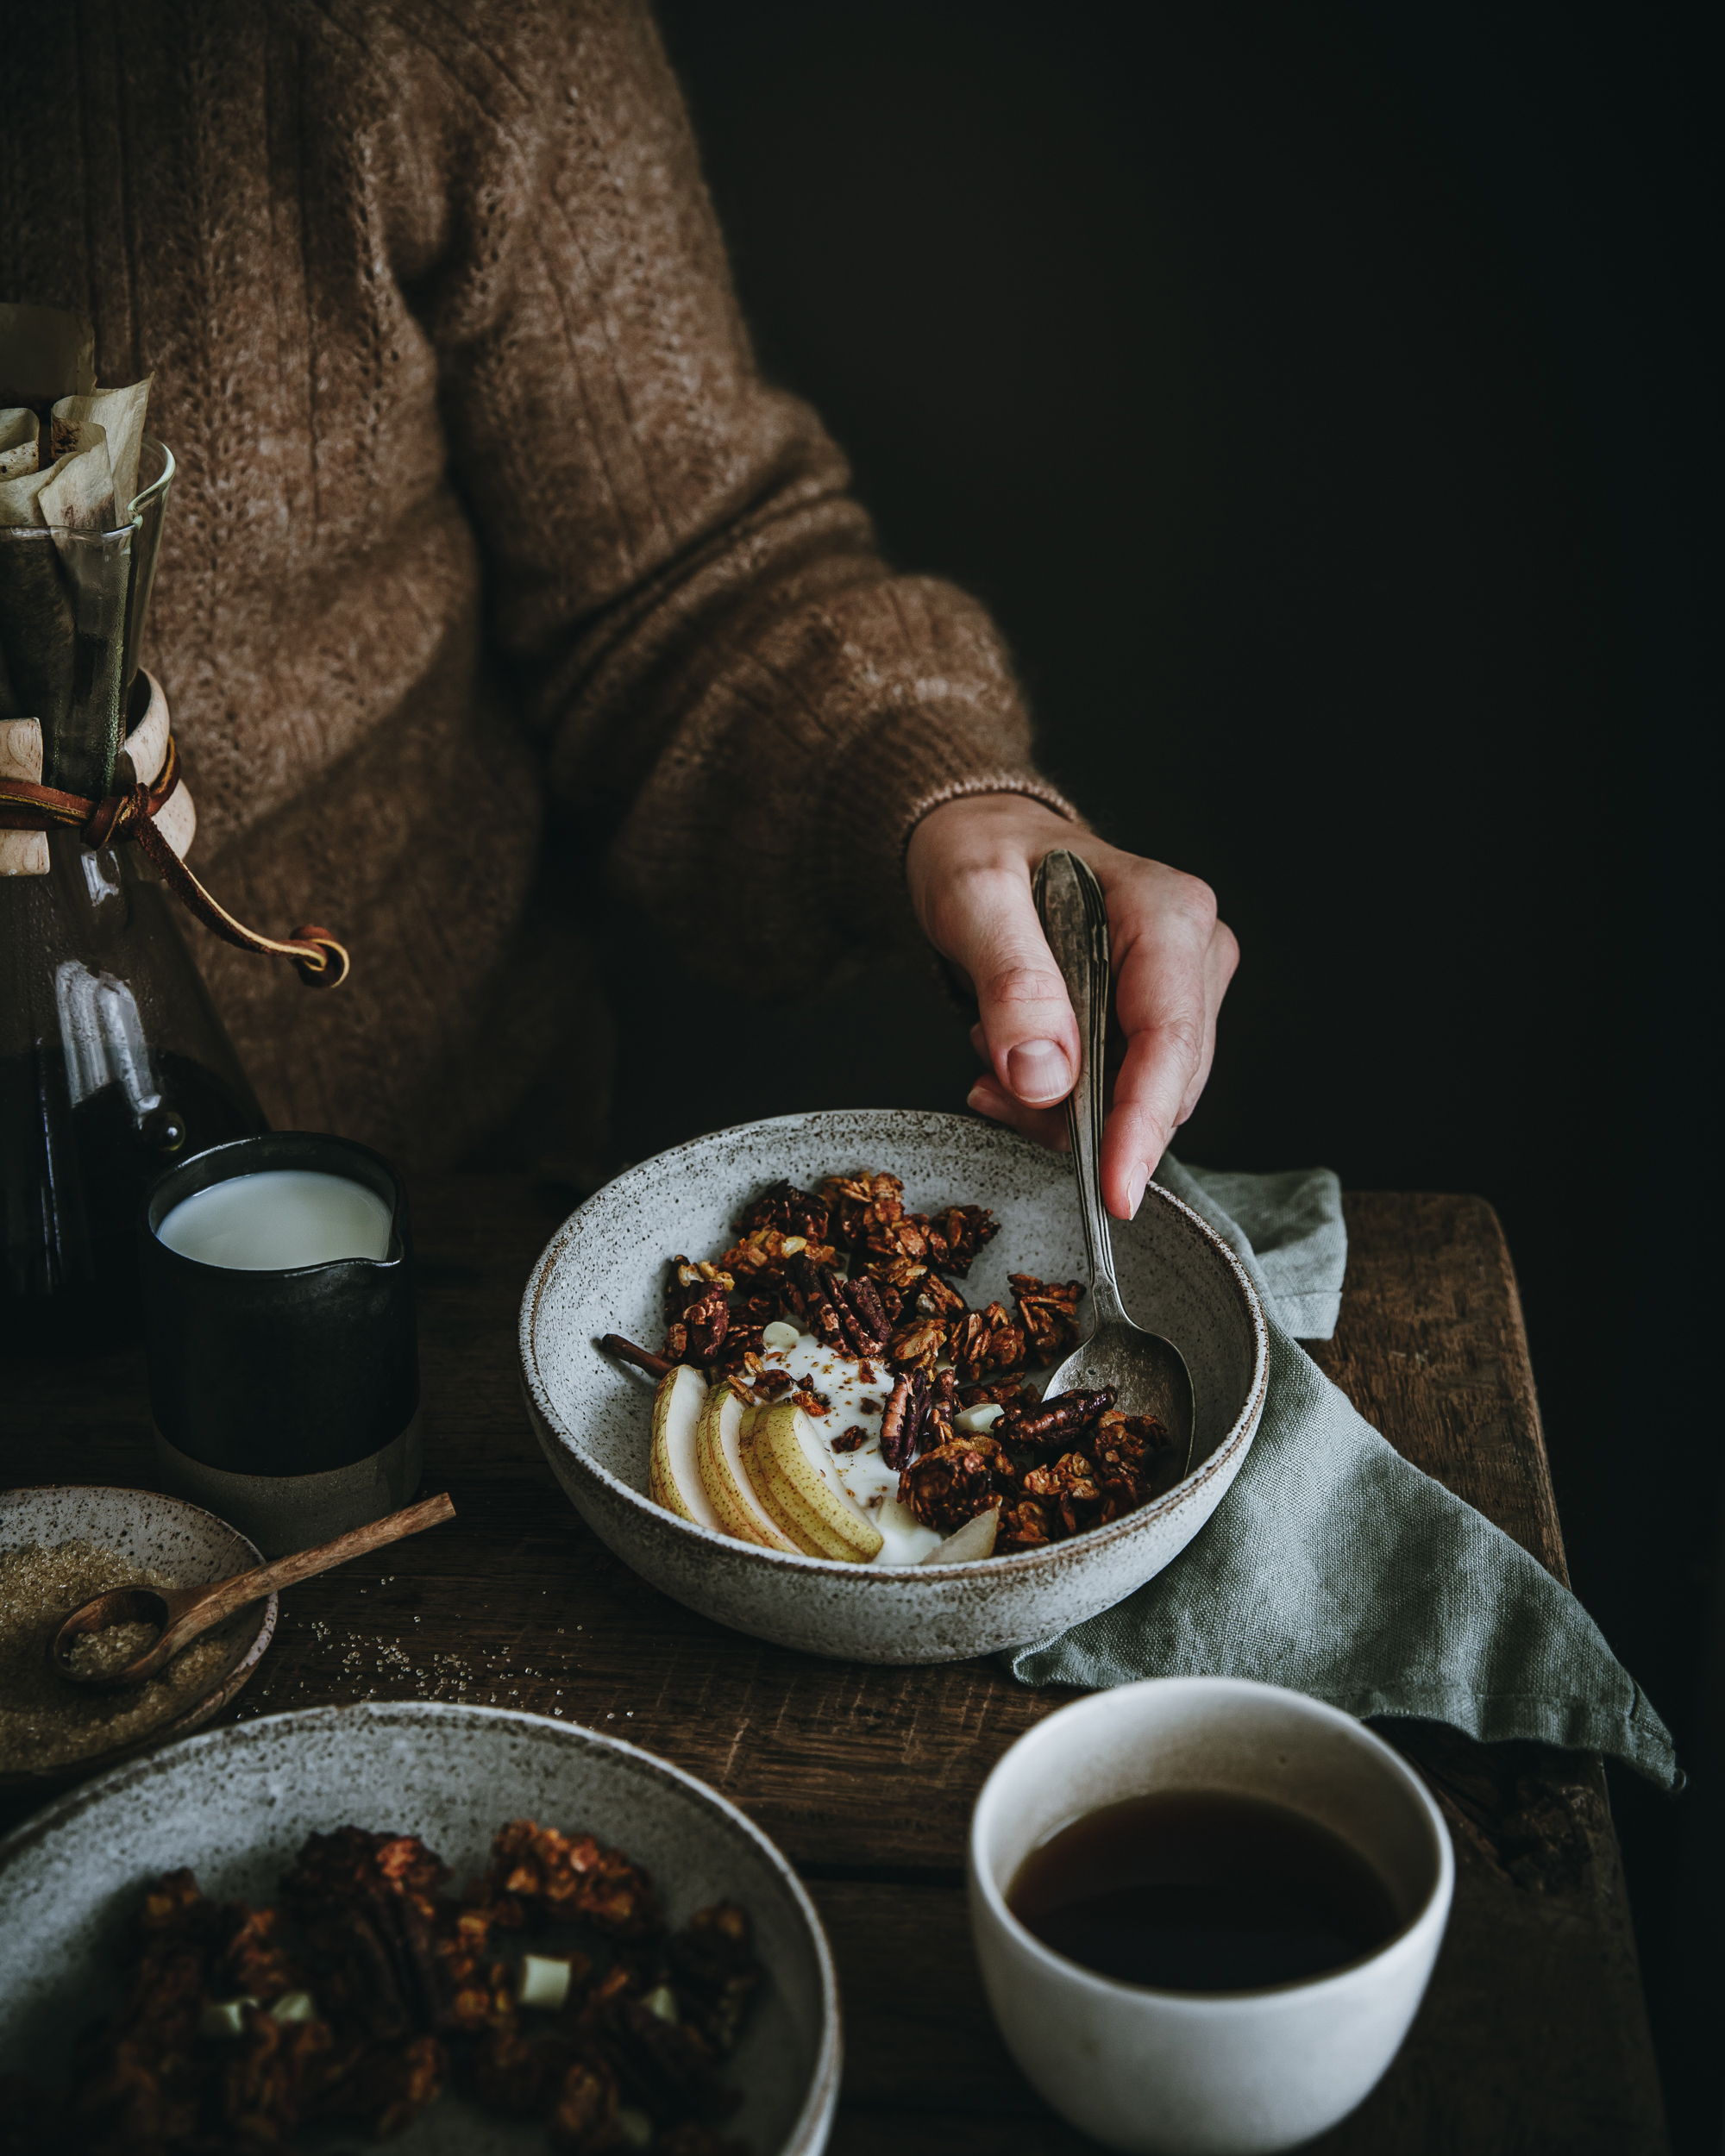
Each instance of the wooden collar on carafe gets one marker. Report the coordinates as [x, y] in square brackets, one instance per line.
[150, 806]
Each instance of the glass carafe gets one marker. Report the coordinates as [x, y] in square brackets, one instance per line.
[113, 1062]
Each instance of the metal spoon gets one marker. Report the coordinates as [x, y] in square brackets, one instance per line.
[1148, 1372]
[185, 1612]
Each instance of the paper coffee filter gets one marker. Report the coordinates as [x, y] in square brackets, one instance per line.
[69, 459]
[18, 427]
[79, 493]
[118, 414]
[81, 444]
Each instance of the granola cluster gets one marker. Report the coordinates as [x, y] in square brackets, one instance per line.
[1075, 1462]
[849, 1264]
[368, 1991]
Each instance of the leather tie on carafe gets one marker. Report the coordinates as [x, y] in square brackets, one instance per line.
[129, 816]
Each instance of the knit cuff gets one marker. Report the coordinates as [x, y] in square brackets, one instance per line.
[899, 771]
[1030, 784]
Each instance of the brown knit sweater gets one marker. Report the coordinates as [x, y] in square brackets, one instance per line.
[485, 515]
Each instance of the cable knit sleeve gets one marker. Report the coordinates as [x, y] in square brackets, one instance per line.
[733, 689]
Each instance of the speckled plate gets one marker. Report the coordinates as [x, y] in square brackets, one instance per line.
[236, 1803]
[152, 1533]
[603, 1272]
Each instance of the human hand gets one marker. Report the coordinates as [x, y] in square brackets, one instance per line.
[969, 865]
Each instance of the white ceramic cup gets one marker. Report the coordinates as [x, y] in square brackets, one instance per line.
[1183, 2073]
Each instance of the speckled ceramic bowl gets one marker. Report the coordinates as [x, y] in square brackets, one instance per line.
[152, 1533]
[236, 1804]
[603, 1272]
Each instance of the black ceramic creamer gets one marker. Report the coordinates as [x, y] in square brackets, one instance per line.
[285, 1400]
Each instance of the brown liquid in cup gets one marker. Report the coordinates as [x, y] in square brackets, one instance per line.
[1199, 1890]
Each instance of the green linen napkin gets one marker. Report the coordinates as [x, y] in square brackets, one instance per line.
[1336, 1569]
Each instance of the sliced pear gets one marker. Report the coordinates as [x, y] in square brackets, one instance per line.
[673, 1478]
[738, 1511]
[975, 1539]
[793, 1477]
[790, 1517]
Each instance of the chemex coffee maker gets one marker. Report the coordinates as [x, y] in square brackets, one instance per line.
[113, 1062]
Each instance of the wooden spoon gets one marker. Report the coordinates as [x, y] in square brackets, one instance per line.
[185, 1612]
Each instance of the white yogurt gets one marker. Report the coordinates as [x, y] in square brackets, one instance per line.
[278, 1218]
[864, 1473]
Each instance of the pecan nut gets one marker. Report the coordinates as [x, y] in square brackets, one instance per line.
[899, 1420]
[841, 1313]
[1056, 1420]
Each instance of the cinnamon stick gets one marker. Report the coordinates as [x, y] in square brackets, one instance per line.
[626, 1351]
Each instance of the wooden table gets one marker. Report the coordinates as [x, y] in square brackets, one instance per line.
[1533, 2036]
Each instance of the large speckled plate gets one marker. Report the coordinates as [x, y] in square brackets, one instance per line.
[603, 1271]
[152, 1533]
[236, 1804]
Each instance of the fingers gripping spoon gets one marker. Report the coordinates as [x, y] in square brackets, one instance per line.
[1148, 1372]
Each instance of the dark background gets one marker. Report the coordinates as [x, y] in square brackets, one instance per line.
[1315, 394]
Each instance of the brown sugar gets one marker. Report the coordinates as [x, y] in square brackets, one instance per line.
[116, 1647]
[45, 1723]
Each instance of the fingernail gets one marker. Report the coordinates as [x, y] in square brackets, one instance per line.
[983, 1098]
[1135, 1190]
[1039, 1070]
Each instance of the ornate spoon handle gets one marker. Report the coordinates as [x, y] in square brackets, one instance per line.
[1075, 918]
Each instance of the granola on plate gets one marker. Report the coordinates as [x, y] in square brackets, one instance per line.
[552, 1989]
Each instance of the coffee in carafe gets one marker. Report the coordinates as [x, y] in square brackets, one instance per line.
[113, 1061]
